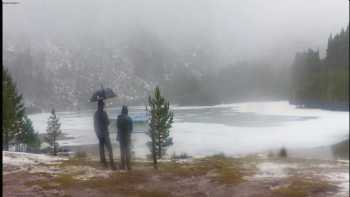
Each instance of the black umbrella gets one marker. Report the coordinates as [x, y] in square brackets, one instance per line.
[101, 94]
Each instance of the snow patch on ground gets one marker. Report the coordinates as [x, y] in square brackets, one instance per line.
[39, 163]
[341, 179]
[334, 172]
[86, 172]
[32, 163]
[22, 159]
[273, 170]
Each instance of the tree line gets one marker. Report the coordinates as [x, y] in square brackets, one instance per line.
[238, 82]
[322, 82]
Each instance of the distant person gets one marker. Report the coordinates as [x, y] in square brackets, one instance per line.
[101, 123]
[124, 126]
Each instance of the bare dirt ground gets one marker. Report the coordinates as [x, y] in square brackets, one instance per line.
[251, 176]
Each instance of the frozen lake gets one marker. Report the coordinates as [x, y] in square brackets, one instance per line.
[237, 128]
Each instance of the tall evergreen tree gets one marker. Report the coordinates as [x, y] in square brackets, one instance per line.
[13, 110]
[53, 132]
[161, 119]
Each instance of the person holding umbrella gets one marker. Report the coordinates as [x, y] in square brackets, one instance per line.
[101, 123]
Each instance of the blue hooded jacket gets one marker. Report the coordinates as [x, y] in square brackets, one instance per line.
[124, 124]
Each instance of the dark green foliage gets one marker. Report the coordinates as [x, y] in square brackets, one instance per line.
[17, 127]
[53, 132]
[161, 119]
[237, 82]
[31, 138]
[8, 106]
[323, 82]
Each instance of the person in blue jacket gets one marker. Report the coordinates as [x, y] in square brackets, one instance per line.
[125, 127]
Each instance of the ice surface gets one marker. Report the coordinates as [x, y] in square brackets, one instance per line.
[205, 138]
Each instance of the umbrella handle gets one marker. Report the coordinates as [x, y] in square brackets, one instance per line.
[104, 92]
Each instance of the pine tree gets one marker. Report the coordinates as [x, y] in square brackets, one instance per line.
[7, 106]
[161, 119]
[17, 127]
[53, 132]
[31, 138]
[13, 110]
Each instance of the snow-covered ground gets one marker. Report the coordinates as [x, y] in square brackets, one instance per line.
[26, 159]
[29, 162]
[336, 173]
[238, 128]
[40, 163]
[274, 170]
[341, 179]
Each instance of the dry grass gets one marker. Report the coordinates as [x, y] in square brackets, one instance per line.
[76, 161]
[226, 170]
[119, 182]
[144, 181]
[44, 184]
[222, 169]
[300, 187]
[120, 179]
[152, 193]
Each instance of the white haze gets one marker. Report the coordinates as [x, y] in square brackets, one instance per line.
[233, 30]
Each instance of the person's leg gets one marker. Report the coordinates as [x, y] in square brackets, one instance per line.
[102, 151]
[122, 155]
[110, 152]
[128, 155]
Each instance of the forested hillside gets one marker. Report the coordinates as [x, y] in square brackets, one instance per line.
[63, 75]
[323, 82]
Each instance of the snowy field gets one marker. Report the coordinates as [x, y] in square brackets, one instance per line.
[237, 128]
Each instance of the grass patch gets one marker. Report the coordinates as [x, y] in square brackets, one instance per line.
[153, 193]
[41, 180]
[65, 180]
[60, 181]
[80, 161]
[219, 168]
[299, 187]
[226, 170]
[182, 170]
[125, 183]
[44, 184]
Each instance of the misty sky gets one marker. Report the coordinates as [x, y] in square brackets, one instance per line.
[236, 30]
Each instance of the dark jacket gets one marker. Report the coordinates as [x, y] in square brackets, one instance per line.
[101, 123]
[124, 125]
